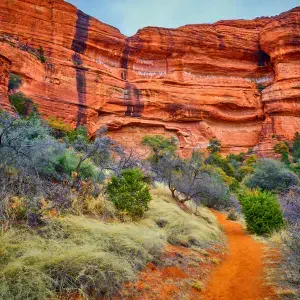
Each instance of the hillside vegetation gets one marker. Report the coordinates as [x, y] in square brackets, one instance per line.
[83, 255]
[83, 216]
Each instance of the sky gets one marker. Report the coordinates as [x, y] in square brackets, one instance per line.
[130, 15]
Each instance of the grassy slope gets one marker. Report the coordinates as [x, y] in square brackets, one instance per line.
[87, 256]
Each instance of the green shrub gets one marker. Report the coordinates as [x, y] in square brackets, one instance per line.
[59, 126]
[15, 82]
[260, 87]
[41, 55]
[217, 160]
[129, 192]
[296, 148]
[283, 149]
[22, 105]
[214, 146]
[295, 168]
[68, 163]
[271, 175]
[80, 133]
[262, 212]
[66, 131]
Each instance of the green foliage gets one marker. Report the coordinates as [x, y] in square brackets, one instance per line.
[232, 182]
[66, 131]
[41, 54]
[22, 105]
[214, 146]
[295, 168]
[68, 163]
[260, 87]
[285, 158]
[236, 157]
[160, 145]
[250, 151]
[217, 160]
[271, 175]
[15, 82]
[247, 167]
[129, 192]
[296, 148]
[283, 149]
[262, 212]
[59, 126]
[251, 160]
[79, 134]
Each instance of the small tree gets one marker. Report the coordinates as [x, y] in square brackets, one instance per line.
[214, 146]
[206, 189]
[129, 192]
[168, 170]
[262, 212]
[160, 145]
[98, 151]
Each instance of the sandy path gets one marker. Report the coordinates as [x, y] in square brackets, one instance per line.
[240, 275]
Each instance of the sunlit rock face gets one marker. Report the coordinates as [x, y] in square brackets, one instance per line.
[238, 81]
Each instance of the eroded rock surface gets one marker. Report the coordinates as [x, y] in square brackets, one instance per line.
[238, 81]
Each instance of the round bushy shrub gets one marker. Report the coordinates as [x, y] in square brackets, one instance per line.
[262, 212]
[129, 192]
[271, 175]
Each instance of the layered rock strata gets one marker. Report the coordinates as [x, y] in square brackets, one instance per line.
[238, 81]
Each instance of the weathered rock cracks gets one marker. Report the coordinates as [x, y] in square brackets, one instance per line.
[238, 81]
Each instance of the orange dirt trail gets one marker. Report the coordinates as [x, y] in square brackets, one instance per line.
[240, 275]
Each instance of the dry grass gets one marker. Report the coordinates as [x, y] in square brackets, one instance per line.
[180, 227]
[277, 273]
[86, 256]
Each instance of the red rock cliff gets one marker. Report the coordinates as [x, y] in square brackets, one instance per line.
[238, 81]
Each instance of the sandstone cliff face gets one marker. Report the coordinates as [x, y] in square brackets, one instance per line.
[238, 81]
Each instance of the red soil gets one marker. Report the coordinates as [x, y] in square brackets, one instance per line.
[240, 276]
[174, 281]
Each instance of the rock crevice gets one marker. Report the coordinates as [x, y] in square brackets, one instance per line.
[228, 80]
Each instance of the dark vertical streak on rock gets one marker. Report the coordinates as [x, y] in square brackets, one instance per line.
[132, 95]
[124, 62]
[79, 46]
[81, 33]
[81, 94]
[170, 50]
[133, 101]
[222, 45]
